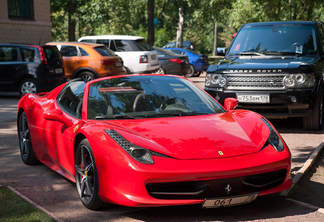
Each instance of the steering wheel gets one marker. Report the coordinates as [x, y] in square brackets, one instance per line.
[137, 98]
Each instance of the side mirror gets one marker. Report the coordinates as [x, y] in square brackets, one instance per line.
[57, 115]
[230, 103]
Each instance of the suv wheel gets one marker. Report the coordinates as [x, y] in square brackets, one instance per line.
[87, 76]
[315, 120]
[28, 86]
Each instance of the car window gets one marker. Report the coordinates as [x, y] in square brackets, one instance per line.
[144, 45]
[126, 45]
[113, 46]
[8, 54]
[103, 41]
[83, 52]
[52, 53]
[28, 54]
[321, 34]
[178, 51]
[104, 51]
[69, 51]
[70, 99]
[86, 40]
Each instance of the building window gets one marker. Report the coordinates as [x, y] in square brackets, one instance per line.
[20, 9]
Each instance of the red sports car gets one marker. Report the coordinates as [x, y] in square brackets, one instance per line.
[152, 140]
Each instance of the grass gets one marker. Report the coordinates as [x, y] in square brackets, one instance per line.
[13, 208]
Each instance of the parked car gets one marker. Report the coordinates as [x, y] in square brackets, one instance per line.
[137, 54]
[198, 62]
[185, 45]
[172, 63]
[30, 68]
[152, 140]
[89, 61]
[274, 68]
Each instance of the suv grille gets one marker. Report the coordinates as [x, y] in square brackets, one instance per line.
[255, 82]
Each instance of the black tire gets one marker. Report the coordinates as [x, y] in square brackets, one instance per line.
[87, 76]
[161, 70]
[25, 145]
[192, 71]
[127, 70]
[315, 120]
[86, 177]
[28, 86]
[197, 74]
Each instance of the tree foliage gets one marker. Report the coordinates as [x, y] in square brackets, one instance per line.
[130, 17]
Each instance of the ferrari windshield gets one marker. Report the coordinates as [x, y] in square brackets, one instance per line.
[275, 39]
[148, 96]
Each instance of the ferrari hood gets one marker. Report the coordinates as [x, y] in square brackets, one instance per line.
[196, 137]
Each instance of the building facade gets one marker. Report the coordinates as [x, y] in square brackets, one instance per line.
[25, 21]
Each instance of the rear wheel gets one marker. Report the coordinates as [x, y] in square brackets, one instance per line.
[192, 71]
[197, 74]
[127, 70]
[26, 148]
[86, 177]
[87, 76]
[315, 120]
[161, 71]
[28, 86]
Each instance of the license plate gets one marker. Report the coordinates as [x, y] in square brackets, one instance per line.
[229, 201]
[253, 98]
[59, 70]
[118, 64]
[153, 57]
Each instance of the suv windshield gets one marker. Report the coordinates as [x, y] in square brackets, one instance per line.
[275, 39]
[148, 97]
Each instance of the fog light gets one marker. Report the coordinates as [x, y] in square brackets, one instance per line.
[293, 99]
[217, 97]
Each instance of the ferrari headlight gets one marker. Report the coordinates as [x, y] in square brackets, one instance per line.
[140, 154]
[274, 139]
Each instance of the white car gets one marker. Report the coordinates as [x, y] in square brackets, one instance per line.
[137, 54]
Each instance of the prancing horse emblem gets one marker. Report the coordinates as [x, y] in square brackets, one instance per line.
[228, 189]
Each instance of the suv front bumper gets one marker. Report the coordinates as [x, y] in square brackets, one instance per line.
[283, 104]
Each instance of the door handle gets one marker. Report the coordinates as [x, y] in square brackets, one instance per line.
[76, 62]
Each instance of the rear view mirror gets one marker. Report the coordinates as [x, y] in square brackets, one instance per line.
[230, 103]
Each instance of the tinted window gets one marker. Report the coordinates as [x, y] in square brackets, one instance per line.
[20, 9]
[144, 45]
[70, 100]
[83, 52]
[321, 34]
[178, 52]
[104, 51]
[103, 41]
[52, 53]
[86, 40]
[126, 45]
[28, 54]
[8, 54]
[275, 38]
[67, 50]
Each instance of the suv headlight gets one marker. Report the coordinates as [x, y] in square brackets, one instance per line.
[299, 80]
[274, 138]
[217, 80]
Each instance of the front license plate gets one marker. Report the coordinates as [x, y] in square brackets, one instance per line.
[226, 202]
[59, 70]
[253, 98]
[118, 64]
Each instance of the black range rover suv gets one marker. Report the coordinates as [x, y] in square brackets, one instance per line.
[30, 68]
[274, 68]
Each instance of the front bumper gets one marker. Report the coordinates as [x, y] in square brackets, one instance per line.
[280, 106]
[127, 182]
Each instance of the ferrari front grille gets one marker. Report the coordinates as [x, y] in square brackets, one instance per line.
[216, 188]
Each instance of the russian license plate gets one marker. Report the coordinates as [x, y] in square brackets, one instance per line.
[253, 98]
[59, 70]
[118, 64]
[229, 201]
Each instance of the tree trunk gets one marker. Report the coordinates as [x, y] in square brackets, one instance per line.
[180, 28]
[150, 22]
[72, 10]
[215, 40]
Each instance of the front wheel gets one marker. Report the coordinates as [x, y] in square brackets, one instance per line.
[86, 177]
[315, 120]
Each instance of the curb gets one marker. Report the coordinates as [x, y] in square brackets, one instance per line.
[35, 204]
[304, 169]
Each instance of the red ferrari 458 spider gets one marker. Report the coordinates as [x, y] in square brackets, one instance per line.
[152, 140]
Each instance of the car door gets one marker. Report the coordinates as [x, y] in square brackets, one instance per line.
[72, 59]
[10, 67]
